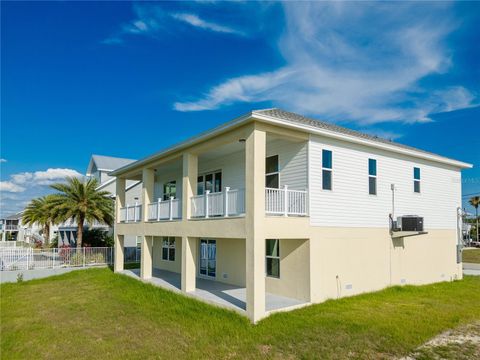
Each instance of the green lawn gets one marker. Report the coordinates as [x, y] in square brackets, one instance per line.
[471, 256]
[97, 314]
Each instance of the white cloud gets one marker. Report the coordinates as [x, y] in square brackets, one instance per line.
[9, 186]
[22, 187]
[151, 20]
[51, 176]
[196, 21]
[358, 62]
[19, 182]
[3, 160]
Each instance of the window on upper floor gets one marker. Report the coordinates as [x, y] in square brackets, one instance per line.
[211, 181]
[168, 249]
[272, 174]
[169, 190]
[372, 176]
[416, 179]
[273, 258]
[327, 166]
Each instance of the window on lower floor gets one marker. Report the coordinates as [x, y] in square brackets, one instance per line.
[168, 249]
[273, 257]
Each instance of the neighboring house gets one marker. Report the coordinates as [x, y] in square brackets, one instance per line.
[99, 167]
[289, 210]
[13, 230]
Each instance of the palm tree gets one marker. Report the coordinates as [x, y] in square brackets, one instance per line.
[40, 211]
[475, 202]
[81, 201]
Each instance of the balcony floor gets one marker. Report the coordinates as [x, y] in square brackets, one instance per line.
[216, 293]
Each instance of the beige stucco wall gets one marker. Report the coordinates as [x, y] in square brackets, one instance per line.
[349, 261]
[294, 278]
[231, 261]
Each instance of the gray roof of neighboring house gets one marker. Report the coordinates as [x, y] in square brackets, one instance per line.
[107, 163]
[303, 120]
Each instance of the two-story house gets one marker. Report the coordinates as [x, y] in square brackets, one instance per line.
[99, 168]
[272, 211]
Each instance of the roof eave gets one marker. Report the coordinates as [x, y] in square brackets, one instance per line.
[184, 144]
[370, 143]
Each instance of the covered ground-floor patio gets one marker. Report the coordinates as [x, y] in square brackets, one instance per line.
[216, 293]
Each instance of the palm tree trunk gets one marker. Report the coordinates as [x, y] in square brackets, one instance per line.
[80, 233]
[47, 234]
[476, 215]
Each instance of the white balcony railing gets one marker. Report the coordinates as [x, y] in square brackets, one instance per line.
[220, 204]
[12, 227]
[286, 202]
[165, 210]
[131, 213]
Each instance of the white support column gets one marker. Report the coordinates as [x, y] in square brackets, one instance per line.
[207, 193]
[148, 180]
[119, 253]
[146, 257]
[188, 263]
[225, 204]
[189, 183]
[120, 186]
[255, 152]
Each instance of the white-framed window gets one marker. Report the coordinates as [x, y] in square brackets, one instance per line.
[211, 181]
[416, 179]
[168, 248]
[327, 167]
[272, 257]
[372, 176]
[272, 173]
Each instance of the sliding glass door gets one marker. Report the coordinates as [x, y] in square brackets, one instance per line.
[208, 257]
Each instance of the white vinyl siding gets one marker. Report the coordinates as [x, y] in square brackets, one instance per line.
[350, 204]
[292, 161]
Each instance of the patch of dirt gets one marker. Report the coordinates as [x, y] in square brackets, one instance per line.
[462, 343]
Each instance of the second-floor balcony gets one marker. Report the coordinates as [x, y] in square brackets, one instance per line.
[219, 204]
[131, 213]
[165, 210]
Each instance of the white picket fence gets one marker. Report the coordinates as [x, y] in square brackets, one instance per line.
[165, 210]
[30, 259]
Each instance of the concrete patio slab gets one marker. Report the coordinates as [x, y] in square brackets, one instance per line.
[216, 293]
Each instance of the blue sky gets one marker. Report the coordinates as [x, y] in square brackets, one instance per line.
[78, 76]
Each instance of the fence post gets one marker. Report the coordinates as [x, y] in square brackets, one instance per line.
[83, 257]
[225, 211]
[206, 203]
[126, 213]
[53, 258]
[170, 209]
[135, 210]
[285, 202]
[158, 209]
[28, 258]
